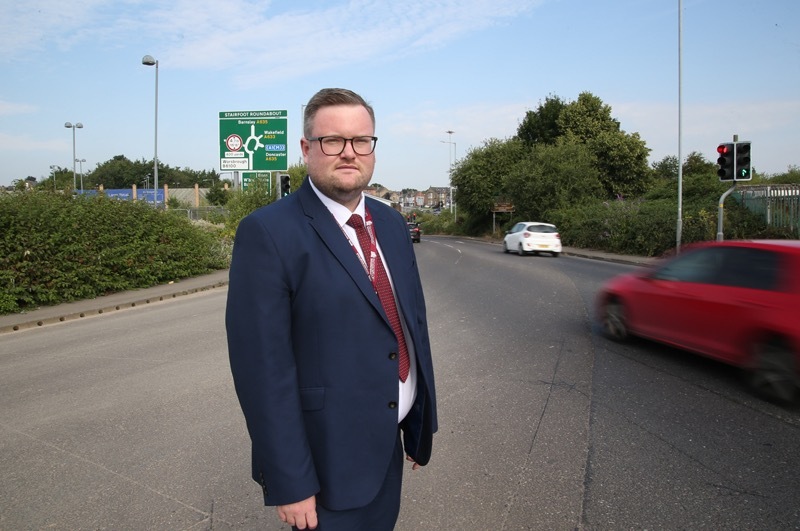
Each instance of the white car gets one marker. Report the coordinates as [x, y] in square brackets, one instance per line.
[532, 237]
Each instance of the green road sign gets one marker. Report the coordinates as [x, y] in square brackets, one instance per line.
[252, 141]
[265, 176]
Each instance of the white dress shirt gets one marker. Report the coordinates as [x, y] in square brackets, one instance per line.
[408, 389]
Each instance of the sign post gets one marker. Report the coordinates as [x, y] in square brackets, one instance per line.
[500, 206]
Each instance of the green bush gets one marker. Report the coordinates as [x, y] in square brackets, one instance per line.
[442, 223]
[55, 248]
[648, 227]
[243, 202]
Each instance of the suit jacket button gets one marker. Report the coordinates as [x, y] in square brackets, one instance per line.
[393, 356]
[392, 405]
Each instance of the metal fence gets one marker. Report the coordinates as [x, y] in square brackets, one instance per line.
[778, 204]
[214, 214]
[208, 213]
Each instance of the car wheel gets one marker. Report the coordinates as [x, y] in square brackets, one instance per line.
[773, 373]
[556, 255]
[613, 321]
[520, 251]
[505, 246]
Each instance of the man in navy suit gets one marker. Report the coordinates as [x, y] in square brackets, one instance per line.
[328, 335]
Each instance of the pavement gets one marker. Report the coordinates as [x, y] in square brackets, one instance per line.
[109, 303]
[129, 299]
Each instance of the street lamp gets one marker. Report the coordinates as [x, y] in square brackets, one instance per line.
[450, 133]
[148, 60]
[81, 161]
[302, 130]
[78, 125]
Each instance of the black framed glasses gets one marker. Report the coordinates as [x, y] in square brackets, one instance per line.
[334, 145]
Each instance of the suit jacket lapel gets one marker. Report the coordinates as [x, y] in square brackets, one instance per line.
[332, 237]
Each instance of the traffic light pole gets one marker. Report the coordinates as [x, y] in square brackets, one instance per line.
[721, 210]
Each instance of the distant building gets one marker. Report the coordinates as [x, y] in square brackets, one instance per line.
[408, 200]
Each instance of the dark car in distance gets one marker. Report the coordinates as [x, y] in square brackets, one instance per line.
[414, 231]
[735, 301]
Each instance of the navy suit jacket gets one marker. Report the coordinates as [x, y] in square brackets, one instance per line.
[311, 353]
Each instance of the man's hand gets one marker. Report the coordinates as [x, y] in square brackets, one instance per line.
[415, 465]
[302, 514]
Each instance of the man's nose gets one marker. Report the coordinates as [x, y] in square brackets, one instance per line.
[348, 152]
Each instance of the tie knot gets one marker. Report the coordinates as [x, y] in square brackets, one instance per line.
[355, 221]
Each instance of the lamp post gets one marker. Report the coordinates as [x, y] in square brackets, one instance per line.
[148, 60]
[452, 156]
[302, 130]
[69, 125]
[81, 161]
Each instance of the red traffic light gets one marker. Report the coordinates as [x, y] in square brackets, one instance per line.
[725, 162]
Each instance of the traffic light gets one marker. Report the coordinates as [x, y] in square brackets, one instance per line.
[742, 162]
[726, 162]
[286, 185]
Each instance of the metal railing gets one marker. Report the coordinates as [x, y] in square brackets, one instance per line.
[779, 204]
[208, 213]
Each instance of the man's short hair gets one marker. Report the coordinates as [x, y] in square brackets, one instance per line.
[329, 97]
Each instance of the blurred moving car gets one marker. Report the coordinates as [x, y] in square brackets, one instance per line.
[532, 237]
[415, 231]
[735, 301]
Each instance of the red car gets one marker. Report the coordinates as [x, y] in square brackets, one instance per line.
[735, 301]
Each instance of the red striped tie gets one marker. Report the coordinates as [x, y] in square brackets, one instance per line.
[384, 290]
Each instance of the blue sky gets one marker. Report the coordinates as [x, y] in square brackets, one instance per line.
[427, 66]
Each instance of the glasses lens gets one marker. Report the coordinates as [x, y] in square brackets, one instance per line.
[332, 145]
[363, 145]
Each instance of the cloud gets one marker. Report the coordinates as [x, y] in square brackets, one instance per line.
[258, 43]
[8, 108]
[274, 47]
[24, 143]
[30, 27]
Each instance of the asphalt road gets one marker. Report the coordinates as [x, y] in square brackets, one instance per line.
[128, 419]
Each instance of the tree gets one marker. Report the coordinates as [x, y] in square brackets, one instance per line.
[120, 172]
[541, 126]
[621, 158]
[480, 178]
[586, 118]
[791, 176]
[696, 164]
[666, 168]
[622, 162]
[552, 177]
[217, 195]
